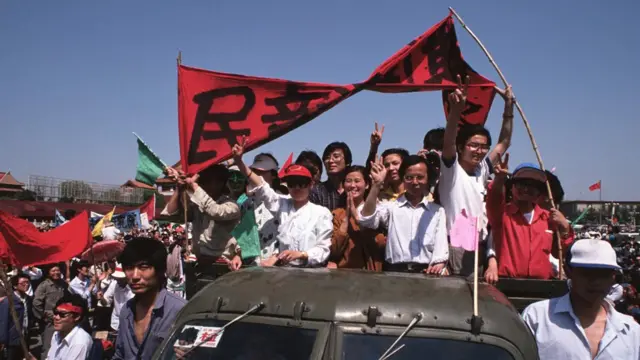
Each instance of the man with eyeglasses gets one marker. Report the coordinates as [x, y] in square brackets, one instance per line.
[522, 230]
[465, 170]
[336, 157]
[417, 240]
[69, 340]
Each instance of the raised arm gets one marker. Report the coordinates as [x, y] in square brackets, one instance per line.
[457, 101]
[376, 139]
[378, 174]
[262, 191]
[504, 140]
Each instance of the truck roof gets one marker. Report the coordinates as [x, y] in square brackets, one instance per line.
[347, 295]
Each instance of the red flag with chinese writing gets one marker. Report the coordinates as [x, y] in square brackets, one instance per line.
[596, 186]
[149, 208]
[217, 109]
[28, 246]
[432, 61]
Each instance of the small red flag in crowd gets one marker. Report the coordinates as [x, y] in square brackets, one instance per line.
[23, 244]
[596, 186]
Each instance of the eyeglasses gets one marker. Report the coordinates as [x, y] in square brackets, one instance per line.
[336, 156]
[529, 185]
[476, 147]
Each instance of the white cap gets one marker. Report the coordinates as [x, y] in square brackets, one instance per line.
[118, 273]
[264, 163]
[591, 253]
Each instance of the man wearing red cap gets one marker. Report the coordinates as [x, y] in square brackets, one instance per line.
[304, 233]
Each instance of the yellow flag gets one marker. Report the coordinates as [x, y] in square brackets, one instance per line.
[97, 230]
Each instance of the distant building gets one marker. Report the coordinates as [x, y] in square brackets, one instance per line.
[9, 186]
[625, 211]
[137, 185]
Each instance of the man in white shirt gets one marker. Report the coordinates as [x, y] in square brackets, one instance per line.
[83, 284]
[417, 239]
[69, 340]
[465, 169]
[582, 324]
[117, 294]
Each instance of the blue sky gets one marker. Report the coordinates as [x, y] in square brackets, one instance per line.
[77, 77]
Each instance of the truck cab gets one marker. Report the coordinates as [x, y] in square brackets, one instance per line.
[293, 314]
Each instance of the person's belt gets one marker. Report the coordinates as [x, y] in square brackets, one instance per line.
[406, 267]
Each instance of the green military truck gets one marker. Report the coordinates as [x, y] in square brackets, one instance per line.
[293, 314]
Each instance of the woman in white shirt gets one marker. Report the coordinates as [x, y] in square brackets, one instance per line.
[304, 228]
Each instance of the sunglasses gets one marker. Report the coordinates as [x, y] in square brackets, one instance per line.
[62, 314]
[296, 182]
[528, 184]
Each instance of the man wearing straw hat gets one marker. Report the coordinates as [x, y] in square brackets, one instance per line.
[117, 294]
[582, 324]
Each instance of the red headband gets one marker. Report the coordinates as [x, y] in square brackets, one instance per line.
[69, 307]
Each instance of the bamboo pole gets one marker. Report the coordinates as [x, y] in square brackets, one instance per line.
[12, 308]
[526, 125]
[184, 193]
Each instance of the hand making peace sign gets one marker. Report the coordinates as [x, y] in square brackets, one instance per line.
[376, 135]
[458, 98]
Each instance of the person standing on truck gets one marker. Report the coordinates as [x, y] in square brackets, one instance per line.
[146, 319]
[582, 324]
[304, 231]
[522, 230]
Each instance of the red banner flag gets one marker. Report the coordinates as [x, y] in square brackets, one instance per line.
[596, 186]
[149, 207]
[25, 245]
[432, 61]
[217, 109]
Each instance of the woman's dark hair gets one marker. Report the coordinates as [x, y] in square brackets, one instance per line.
[365, 175]
[75, 300]
[467, 131]
[397, 151]
[338, 145]
[308, 158]
[218, 172]
[412, 160]
[144, 249]
[434, 139]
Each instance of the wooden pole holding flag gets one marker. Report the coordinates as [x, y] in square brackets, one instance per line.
[601, 204]
[526, 125]
[184, 193]
[12, 308]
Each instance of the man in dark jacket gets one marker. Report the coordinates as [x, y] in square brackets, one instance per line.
[9, 335]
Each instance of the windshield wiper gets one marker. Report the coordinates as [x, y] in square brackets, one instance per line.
[387, 354]
[253, 309]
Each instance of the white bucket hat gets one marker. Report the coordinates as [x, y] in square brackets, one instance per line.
[591, 253]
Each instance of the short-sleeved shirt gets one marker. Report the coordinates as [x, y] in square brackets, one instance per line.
[460, 190]
[164, 313]
[560, 335]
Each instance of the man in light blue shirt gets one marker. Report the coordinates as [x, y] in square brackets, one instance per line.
[583, 324]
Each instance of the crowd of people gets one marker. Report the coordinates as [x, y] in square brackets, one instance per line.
[394, 212]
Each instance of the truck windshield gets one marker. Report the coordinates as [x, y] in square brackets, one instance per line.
[241, 341]
[359, 346]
